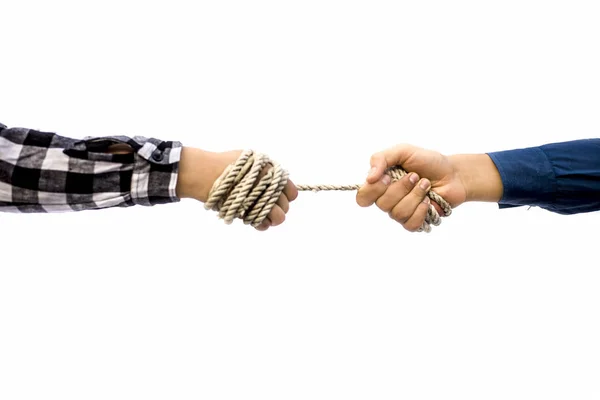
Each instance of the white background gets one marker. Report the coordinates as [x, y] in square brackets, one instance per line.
[339, 302]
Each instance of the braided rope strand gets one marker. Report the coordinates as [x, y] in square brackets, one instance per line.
[239, 193]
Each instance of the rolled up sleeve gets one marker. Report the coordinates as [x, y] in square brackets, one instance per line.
[47, 172]
[560, 177]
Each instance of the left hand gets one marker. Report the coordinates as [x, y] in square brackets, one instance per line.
[406, 200]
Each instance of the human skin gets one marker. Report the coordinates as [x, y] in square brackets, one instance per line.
[199, 169]
[457, 178]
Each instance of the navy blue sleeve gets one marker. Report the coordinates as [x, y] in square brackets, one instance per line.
[560, 177]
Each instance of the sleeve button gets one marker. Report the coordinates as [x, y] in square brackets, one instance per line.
[157, 156]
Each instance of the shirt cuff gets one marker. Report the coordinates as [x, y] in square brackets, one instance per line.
[155, 172]
[527, 177]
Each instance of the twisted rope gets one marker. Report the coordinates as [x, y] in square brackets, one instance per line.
[241, 193]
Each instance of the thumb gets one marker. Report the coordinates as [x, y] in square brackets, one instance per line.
[378, 167]
[390, 157]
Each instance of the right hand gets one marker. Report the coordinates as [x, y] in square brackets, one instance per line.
[199, 169]
[405, 201]
[278, 213]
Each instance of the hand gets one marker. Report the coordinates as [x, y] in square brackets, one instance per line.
[405, 201]
[199, 170]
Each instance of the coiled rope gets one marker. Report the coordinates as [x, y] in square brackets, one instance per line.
[240, 192]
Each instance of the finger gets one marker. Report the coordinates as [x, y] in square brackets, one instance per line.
[290, 191]
[390, 157]
[277, 216]
[438, 208]
[415, 222]
[407, 207]
[264, 225]
[283, 203]
[396, 192]
[369, 193]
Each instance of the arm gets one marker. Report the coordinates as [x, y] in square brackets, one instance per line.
[45, 172]
[560, 177]
[479, 176]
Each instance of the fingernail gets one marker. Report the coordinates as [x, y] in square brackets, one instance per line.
[386, 179]
[413, 178]
[424, 184]
[426, 200]
[371, 172]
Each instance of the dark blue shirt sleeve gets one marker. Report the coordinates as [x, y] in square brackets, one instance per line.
[560, 177]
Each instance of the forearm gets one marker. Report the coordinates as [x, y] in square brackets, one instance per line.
[198, 170]
[560, 177]
[479, 176]
[46, 172]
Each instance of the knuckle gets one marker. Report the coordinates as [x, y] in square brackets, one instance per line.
[264, 225]
[413, 226]
[276, 222]
[416, 222]
[285, 206]
[281, 218]
[400, 214]
[292, 193]
[277, 217]
[399, 147]
[359, 199]
[392, 196]
[422, 186]
[406, 183]
[383, 204]
[398, 190]
[370, 193]
[418, 193]
[289, 197]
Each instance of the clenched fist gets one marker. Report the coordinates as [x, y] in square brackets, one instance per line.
[406, 200]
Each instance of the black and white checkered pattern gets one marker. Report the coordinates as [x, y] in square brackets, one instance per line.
[46, 172]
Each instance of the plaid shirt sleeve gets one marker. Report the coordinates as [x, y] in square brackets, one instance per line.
[45, 172]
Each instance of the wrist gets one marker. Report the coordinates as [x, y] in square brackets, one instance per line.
[479, 176]
[198, 170]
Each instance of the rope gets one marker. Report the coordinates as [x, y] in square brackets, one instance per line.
[240, 191]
